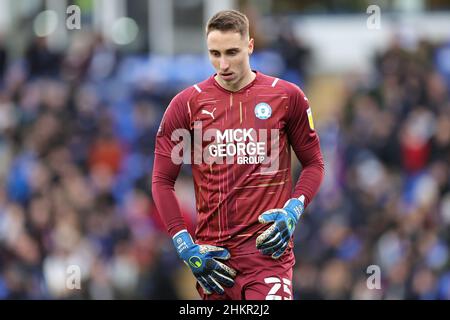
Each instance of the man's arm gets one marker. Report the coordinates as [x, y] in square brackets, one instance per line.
[305, 142]
[313, 170]
[165, 173]
[201, 259]
[306, 145]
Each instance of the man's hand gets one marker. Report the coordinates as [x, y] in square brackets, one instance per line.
[275, 239]
[202, 259]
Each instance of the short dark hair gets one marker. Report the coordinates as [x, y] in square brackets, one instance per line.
[228, 20]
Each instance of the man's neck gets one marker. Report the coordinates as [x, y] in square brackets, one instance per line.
[248, 78]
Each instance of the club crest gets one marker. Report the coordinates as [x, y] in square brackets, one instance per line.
[263, 111]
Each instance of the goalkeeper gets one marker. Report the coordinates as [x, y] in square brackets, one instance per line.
[247, 208]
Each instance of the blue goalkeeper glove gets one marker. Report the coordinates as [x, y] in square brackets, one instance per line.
[275, 239]
[202, 259]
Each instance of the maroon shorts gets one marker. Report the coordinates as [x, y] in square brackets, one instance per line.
[259, 277]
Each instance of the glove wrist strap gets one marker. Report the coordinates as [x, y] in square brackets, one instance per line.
[296, 206]
[182, 241]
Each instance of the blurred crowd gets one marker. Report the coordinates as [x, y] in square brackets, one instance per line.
[385, 202]
[76, 152]
[76, 149]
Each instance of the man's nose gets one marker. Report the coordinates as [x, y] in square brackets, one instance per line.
[224, 65]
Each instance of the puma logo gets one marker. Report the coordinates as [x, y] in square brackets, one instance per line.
[210, 113]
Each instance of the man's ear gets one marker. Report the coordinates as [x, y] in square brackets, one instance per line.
[251, 46]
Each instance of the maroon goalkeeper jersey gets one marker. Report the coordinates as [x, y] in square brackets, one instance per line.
[238, 144]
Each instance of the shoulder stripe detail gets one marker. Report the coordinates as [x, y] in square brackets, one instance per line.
[197, 88]
[275, 82]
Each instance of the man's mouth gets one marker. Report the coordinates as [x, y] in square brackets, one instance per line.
[226, 75]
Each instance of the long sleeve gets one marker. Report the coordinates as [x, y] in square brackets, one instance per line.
[306, 145]
[312, 173]
[167, 164]
[164, 176]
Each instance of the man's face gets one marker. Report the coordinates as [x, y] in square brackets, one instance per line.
[229, 54]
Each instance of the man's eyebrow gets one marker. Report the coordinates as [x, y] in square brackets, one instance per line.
[227, 50]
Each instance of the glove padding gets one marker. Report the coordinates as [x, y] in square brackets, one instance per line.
[275, 239]
[210, 273]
